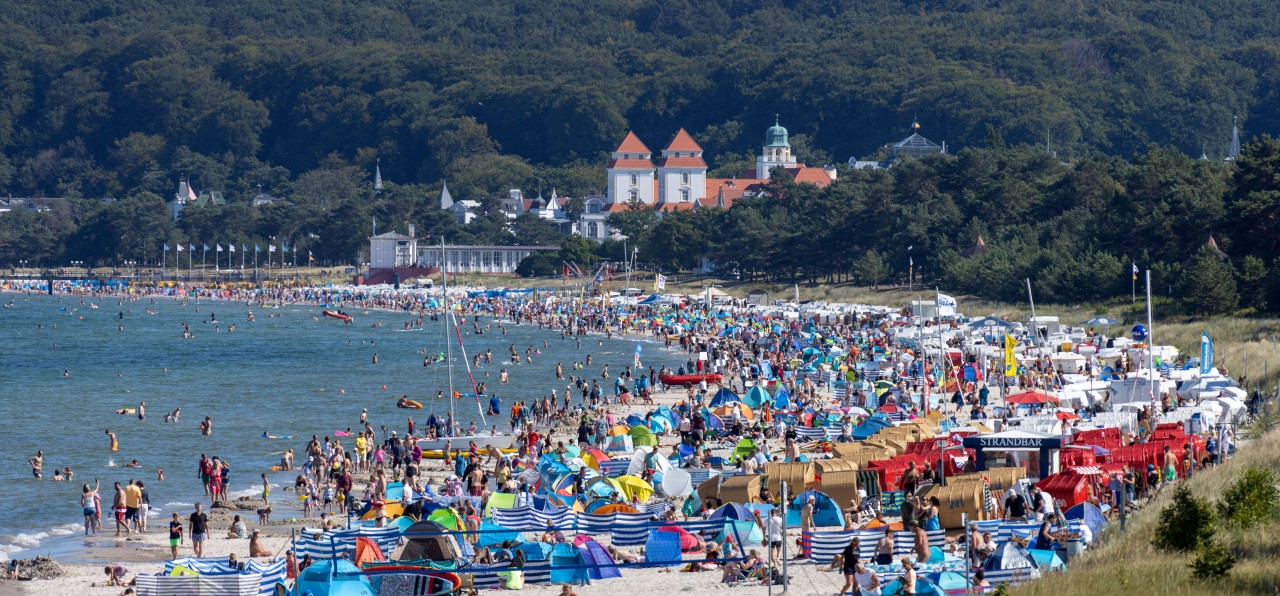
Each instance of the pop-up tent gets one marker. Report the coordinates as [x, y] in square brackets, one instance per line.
[924, 587]
[733, 511]
[825, 510]
[567, 565]
[1047, 560]
[723, 397]
[742, 449]
[637, 466]
[755, 397]
[1089, 515]
[602, 565]
[333, 578]
[437, 547]
[1009, 555]
[642, 436]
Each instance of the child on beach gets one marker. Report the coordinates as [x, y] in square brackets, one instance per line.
[328, 497]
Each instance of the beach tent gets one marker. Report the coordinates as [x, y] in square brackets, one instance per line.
[871, 426]
[726, 412]
[601, 487]
[619, 430]
[447, 517]
[1047, 560]
[781, 398]
[1089, 515]
[755, 397]
[567, 565]
[437, 547]
[619, 443]
[367, 551]
[666, 413]
[594, 457]
[1009, 555]
[748, 531]
[499, 501]
[688, 542]
[733, 511]
[825, 510]
[535, 551]
[662, 548]
[643, 437]
[611, 508]
[924, 587]
[723, 397]
[742, 449]
[635, 488]
[660, 425]
[951, 582]
[333, 578]
[494, 534]
[602, 566]
[676, 483]
[637, 467]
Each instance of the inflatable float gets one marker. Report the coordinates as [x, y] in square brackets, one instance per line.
[691, 380]
[408, 403]
[337, 315]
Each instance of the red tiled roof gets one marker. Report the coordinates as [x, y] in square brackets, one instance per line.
[632, 144]
[631, 164]
[814, 176]
[675, 206]
[616, 207]
[682, 162]
[683, 142]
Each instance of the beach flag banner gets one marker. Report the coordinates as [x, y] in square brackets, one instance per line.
[166, 248]
[660, 282]
[206, 248]
[271, 248]
[230, 246]
[946, 305]
[638, 348]
[1010, 361]
[257, 249]
[1206, 353]
[243, 248]
[191, 247]
[311, 257]
[180, 248]
[1135, 272]
[219, 248]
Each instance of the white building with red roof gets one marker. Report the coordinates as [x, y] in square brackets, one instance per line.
[631, 173]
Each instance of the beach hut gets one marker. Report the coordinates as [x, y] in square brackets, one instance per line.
[826, 512]
[708, 492]
[743, 488]
[959, 499]
[798, 476]
[840, 484]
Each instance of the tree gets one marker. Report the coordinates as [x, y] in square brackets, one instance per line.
[1209, 285]
[871, 268]
[538, 264]
[531, 230]
[577, 250]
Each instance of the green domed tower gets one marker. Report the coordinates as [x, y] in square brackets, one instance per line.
[777, 150]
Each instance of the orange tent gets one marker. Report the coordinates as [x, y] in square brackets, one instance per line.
[616, 508]
[726, 412]
[367, 551]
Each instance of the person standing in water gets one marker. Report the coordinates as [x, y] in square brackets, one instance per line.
[115, 445]
[206, 426]
[142, 410]
[37, 465]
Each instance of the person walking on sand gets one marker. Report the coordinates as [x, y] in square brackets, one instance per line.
[175, 535]
[266, 490]
[199, 527]
[119, 509]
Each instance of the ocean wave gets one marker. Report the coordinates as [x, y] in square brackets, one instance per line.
[177, 505]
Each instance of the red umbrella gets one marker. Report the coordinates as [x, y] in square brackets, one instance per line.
[1031, 398]
[1067, 416]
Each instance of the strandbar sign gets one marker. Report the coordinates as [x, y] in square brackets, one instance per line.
[1017, 441]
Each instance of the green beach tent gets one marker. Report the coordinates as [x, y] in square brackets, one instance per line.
[642, 436]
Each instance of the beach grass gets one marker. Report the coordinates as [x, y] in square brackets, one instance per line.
[1128, 564]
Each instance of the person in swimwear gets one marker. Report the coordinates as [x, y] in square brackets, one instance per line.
[115, 444]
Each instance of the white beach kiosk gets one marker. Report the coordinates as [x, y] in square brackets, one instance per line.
[1019, 444]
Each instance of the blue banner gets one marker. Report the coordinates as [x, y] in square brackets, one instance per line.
[1206, 353]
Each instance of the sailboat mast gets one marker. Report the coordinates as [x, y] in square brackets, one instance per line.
[448, 343]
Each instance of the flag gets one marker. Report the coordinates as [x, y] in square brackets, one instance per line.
[191, 247]
[206, 248]
[243, 248]
[310, 257]
[220, 248]
[911, 262]
[257, 248]
[1206, 353]
[166, 248]
[231, 246]
[271, 248]
[660, 282]
[179, 247]
[1135, 272]
[946, 305]
[1010, 361]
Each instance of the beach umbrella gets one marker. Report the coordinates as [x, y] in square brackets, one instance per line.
[1031, 398]
[1062, 415]
[634, 487]
[1100, 321]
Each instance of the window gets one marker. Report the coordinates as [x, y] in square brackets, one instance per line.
[593, 230]
[635, 194]
[684, 195]
[635, 180]
[684, 178]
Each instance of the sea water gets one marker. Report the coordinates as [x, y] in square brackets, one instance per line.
[65, 368]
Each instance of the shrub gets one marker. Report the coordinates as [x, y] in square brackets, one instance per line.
[1186, 523]
[1250, 500]
[1212, 561]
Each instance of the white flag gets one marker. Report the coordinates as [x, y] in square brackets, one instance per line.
[232, 247]
[219, 248]
[181, 248]
[271, 248]
[661, 282]
[946, 305]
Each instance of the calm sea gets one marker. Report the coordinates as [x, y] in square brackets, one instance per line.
[65, 367]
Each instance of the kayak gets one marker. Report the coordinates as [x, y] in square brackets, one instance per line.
[691, 380]
[408, 403]
[337, 315]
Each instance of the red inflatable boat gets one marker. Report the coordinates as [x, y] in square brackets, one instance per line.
[338, 315]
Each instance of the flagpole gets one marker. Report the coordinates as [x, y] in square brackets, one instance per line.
[204, 260]
[1150, 352]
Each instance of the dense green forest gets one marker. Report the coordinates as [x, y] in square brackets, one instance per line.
[118, 98]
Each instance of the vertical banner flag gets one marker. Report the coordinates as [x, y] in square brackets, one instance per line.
[1135, 272]
[1010, 361]
[1206, 353]
[946, 305]
[638, 355]
[660, 282]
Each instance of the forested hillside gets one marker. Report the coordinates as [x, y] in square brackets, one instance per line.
[118, 98]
